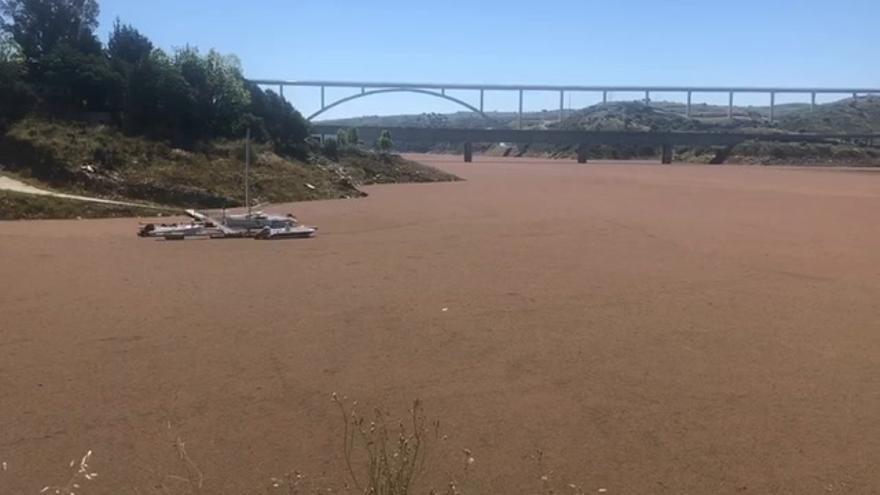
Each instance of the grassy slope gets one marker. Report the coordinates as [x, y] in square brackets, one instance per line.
[100, 161]
[372, 168]
[20, 206]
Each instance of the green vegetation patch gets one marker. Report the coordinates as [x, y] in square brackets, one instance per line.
[100, 160]
[367, 167]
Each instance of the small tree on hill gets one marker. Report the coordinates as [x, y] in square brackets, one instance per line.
[385, 144]
[330, 148]
[352, 137]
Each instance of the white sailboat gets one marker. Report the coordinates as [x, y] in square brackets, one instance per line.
[255, 224]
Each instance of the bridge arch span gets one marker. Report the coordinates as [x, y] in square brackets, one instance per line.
[402, 90]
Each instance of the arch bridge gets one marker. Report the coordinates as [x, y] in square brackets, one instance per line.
[365, 89]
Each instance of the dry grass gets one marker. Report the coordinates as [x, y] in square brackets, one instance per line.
[82, 475]
[382, 457]
[395, 454]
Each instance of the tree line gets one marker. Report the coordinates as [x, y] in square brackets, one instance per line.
[53, 63]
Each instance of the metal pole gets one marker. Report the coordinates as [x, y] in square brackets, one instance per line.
[481, 99]
[730, 106]
[688, 109]
[812, 101]
[322, 97]
[247, 170]
[520, 115]
[647, 97]
[604, 97]
[561, 106]
[281, 90]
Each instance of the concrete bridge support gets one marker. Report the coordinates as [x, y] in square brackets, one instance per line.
[667, 153]
[772, 106]
[468, 152]
[582, 153]
[561, 106]
[519, 115]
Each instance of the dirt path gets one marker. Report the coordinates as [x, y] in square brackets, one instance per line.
[10, 184]
[677, 329]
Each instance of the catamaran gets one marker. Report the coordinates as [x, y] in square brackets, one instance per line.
[253, 224]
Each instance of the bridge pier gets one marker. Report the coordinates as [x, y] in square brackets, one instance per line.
[772, 106]
[468, 152]
[519, 116]
[730, 105]
[561, 106]
[582, 153]
[666, 154]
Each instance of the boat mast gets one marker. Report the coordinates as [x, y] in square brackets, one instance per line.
[247, 171]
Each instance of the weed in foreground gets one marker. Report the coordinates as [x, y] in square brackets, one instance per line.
[80, 476]
[395, 454]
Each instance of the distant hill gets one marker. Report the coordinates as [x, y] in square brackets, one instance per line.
[630, 116]
[861, 115]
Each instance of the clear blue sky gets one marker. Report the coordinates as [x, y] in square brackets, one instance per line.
[663, 42]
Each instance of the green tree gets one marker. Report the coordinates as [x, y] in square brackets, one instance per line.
[221, 97]
[352, 138]
[160, 101]
[385, 144]
[16, 97]
[330, 148]
[79, 81]
[277, 121]
[341, 137]
[40, 26]
[127, 45]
